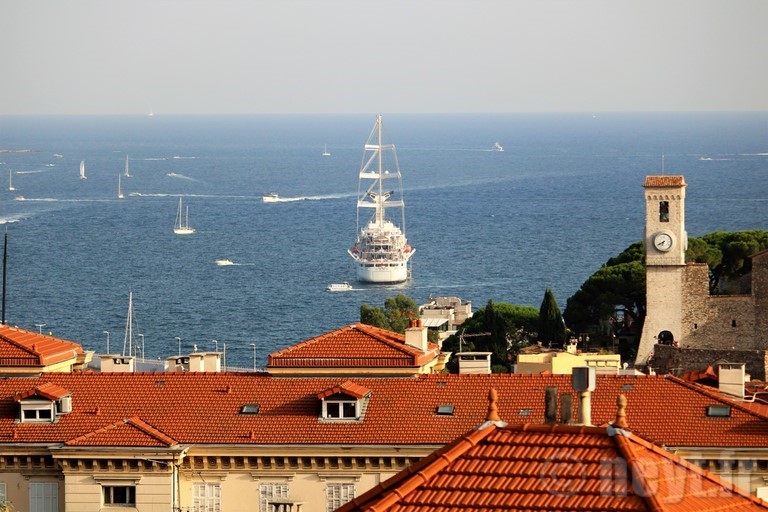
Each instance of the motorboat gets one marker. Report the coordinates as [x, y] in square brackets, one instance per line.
[339, 287]
[224, 263]
[272, 197]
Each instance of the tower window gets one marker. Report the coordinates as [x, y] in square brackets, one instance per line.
[733, 323]
[664, 211]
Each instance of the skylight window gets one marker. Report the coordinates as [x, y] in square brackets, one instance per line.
[250, 409]
[719, 411]
[627, 387]
[445, 410]
[525, 412]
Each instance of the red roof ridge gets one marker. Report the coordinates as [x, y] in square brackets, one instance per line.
[133, 421]
[47, 349]
[419, 473]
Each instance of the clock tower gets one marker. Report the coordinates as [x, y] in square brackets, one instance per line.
[665, 242]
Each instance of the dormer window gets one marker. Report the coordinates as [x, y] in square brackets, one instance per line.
[341, 406]
[344, 402]
[43, 403]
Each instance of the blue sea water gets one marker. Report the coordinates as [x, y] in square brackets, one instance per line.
[565, 196]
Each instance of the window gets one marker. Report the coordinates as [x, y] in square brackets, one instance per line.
[337, 495]
[664, 211]
[722, 411]
[206, 497]
[43, 497]
[269, 492]
[341, 406]
[445, 410]
[250, 409]
[119, 495]
[37, 411]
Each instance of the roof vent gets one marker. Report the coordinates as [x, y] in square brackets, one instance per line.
[65, 405]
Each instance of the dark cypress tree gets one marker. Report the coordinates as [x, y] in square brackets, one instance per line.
[551, 326]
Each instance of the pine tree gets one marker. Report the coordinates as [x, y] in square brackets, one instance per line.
[551, 325]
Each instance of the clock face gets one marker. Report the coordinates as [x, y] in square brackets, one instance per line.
[662, 242]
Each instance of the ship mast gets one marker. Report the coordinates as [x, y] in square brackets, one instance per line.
[380, 196]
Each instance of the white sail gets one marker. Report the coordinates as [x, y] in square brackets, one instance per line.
[119, 188]
[82, 170]
[325, 151]
[127, 174]
[381, 251]
[10, 180]
[182, 226]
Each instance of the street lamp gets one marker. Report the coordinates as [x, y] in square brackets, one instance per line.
[40, 328]
[217, 344]
[254, 356]
[143, 355]
[107, 333]
[179, 340]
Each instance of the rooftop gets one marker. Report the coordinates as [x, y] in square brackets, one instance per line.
[19, 347]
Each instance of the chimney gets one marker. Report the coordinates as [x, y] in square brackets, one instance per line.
[416, 336]
[731, 378]
[550, 405]
[584, 383]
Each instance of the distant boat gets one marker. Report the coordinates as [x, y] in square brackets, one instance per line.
[182, 222]
[126, 173]
[272, 197]
[57, 155]
[10, 180]
[82, 170]
[20, 198]
[325, 151]
[339, 287]
[224, 263]
[497, 147]
[119, 188]
[381, 251]
[151, 112]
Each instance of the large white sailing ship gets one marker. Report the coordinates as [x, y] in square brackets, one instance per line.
[381, 251]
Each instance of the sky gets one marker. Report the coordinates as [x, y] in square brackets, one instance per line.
[393, 56]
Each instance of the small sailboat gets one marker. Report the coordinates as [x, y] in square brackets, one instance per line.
[82, 170]
[325, 151]
[127, 174]
[10, 180]
[182, 222]
[119, 188]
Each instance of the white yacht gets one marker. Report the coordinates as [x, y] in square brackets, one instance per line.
[325, 151]
[339, 287]
[224, 263]
[272, 197]
[381, 251]
[182, 226]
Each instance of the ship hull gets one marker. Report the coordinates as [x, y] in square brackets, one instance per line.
[382, 273]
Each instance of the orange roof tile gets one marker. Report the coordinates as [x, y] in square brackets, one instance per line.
[127, 432]
[553, 467]
[348, 387]
[48, 390]
[19, 347]
[357, 345]
[665, 181]
[399, 411]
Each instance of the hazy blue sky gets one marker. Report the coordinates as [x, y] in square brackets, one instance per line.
[350, 56]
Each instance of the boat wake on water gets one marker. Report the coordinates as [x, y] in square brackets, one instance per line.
[180, 176]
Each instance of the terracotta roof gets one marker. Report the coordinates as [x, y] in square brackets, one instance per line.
[557, 467]
[348, 388]
[127, 432]
[19, 347]
[664, 181]
[399, 410]
[357, 345]
[48, 390]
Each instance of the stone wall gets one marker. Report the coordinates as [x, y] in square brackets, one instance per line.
[674, 360]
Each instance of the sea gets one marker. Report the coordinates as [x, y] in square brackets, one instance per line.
[563, 197]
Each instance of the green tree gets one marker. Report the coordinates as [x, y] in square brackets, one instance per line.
[396, 315]
[510, 327]
[620, 283]
[551, 327]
